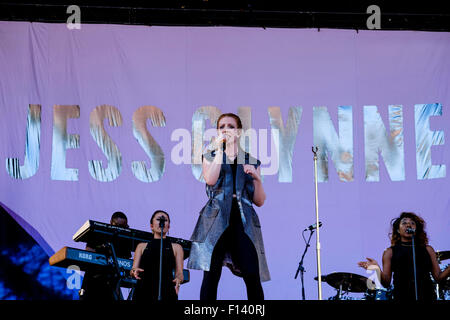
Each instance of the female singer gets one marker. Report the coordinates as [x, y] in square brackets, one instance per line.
[146, 264]
[398, 259]
[228, 231]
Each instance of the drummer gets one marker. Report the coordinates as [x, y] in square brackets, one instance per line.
[398, 259]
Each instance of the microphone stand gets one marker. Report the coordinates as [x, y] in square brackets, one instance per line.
[300, 265]
[319, 277]
[414, 265]
[162, 221]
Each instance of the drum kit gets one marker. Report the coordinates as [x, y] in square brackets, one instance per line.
[346, 283]
[442, 288]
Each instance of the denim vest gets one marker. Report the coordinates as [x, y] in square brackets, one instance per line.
[215, 215]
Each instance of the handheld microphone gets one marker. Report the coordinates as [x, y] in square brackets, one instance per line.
[410, 230]
[313, 226]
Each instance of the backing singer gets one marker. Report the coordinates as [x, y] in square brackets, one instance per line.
[398, 259]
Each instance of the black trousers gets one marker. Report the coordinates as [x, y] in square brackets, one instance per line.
[243, 254]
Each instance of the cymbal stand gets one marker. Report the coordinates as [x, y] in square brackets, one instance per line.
[338, 295]
[319, 276]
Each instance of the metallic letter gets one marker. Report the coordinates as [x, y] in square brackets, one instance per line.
[390, 145]
[32, 147]
[198, 128]
[248, 137]
[109, 148]
[63, 141]
[425, 139]
[148, 143]
[287, 137]
[339, 147]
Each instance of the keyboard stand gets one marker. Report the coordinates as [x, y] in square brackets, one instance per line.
[118, 275]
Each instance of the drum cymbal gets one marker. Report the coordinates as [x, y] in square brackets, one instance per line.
[442, 255]
[349, 282]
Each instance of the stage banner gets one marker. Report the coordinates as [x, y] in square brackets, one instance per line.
[114, 118]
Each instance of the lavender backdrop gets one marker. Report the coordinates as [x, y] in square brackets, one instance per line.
[179, 70]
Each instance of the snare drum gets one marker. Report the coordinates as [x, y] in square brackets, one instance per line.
[378, 294]
[383, 294]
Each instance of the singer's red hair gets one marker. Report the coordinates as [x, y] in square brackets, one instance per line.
[230, 115]
[420, 235]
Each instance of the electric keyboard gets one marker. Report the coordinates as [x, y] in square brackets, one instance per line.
[72, 257]
[99, 232]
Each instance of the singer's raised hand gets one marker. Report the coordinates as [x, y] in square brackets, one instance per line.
[250, 170]
[220, 140]
[135, 272]
[369, 262]
[259, 196]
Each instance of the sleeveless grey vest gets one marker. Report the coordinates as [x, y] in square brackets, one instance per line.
[215, 215]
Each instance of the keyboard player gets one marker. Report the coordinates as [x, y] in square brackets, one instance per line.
[98, 283]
